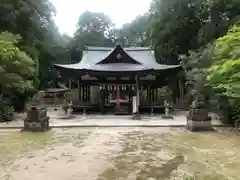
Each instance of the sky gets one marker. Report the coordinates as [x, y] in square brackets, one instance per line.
[119, 11]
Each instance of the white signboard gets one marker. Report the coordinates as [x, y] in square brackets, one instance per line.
[134, 103]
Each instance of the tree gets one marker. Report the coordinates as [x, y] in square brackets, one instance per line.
[216, 18]
[33, 20]
[182, 25]
[93, 29]
[18, 67]
[135, 33]
[17, 73]
[195, 64]
[224, 73]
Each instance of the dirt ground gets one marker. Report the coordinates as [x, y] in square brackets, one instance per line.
[119, 153]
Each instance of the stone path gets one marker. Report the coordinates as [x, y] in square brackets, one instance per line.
[110, 121]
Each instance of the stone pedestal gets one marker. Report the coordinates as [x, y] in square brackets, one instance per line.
[136, 116]
[36, 120]
[198, 120]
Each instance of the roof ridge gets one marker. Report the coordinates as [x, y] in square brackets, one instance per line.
[95, 48]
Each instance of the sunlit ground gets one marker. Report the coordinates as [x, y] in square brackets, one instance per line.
[120, 153]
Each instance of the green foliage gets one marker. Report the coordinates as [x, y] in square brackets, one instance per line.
[135, 33]
[93, 29]
[26, 58]
[224, 74]
[18, 66]
[174, 27]
[33, 21]
[178, 26]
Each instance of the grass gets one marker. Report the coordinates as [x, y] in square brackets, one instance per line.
[183, 155]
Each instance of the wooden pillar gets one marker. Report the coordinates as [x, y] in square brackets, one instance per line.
[148, 95]
[156, 93]
[84, 93]
[78, 86]
[70, 84]
[181, 91]
[102, 99]
[152, 92]
[80, 93]
[88, 93]
[106, 94]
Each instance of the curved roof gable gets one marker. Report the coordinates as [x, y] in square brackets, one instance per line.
[119, 55]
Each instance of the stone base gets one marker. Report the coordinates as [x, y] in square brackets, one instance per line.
[167, 117]
[199, 125]
[136, 117]
[68, 117]
[37, 126]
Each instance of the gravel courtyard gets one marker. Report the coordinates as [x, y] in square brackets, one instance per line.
[119, 153]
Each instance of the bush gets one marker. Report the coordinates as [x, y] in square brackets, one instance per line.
[230, 113]
[6, 111]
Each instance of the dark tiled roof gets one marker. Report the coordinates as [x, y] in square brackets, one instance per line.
[93, 56]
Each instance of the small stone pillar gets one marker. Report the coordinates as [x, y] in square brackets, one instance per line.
[167, 114]
[70, 109]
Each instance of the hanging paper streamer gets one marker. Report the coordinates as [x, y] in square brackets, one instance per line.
[134, 103]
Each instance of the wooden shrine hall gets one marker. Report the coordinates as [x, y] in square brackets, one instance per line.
[118, 76]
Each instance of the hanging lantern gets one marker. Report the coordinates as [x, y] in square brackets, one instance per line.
[103, 87]
[100, 87]
[133, 88]
[115, 88]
